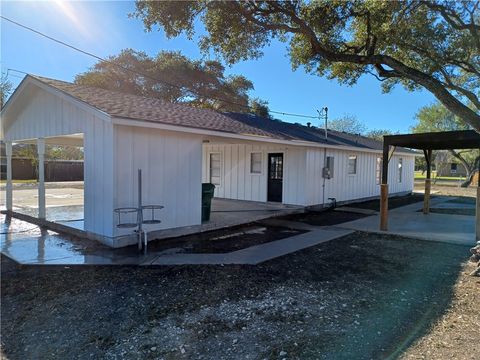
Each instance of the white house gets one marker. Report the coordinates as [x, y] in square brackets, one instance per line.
[179, 147]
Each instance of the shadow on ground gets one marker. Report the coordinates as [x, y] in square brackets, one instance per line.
[362, 296]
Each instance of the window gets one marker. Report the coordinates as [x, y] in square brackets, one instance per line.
[400, 170]
[329, 167]
[453, 168]
[256, 163]
[352, 164]
[378, 170]
[215, 168]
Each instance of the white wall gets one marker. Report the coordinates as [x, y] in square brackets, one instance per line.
[171, 171]
[237, 181]
[40, 113]
[303, 182]
[363, 184]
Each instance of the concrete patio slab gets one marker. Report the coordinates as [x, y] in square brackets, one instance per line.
[296, 225]
[453, 229]
[454, 205]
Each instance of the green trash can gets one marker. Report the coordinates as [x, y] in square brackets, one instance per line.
[207, 195]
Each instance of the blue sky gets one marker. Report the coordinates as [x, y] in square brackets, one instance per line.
[104, 28]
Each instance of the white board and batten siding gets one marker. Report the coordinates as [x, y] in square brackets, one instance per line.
[171, 174]
[44, 114]
[236, 180]
[364, 184]
[303, 181]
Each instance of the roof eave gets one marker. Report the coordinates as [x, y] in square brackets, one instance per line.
[246, 137]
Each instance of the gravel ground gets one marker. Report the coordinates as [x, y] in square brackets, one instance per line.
[358, 297]
[456, 335]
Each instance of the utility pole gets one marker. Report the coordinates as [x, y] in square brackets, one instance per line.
[323, 115]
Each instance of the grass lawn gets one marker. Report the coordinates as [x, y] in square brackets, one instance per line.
[31, 181]
[420, 176]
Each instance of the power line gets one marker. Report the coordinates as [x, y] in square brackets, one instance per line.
[139, 73]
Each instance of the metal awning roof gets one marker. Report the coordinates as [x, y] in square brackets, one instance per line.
[465, 139]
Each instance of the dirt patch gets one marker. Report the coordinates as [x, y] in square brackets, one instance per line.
[456, 334]
[361, 296]
[325, 218]
[449, 190]
[393, 202]
[225, 241]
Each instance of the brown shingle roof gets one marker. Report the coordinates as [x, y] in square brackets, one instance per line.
[118, 104]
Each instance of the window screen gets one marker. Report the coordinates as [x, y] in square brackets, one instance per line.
[256, 163]
[378, 170]
[215, 168]
[352, 164]
[330, 165]
[400, 170]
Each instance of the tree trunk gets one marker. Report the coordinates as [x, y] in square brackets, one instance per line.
[471, 173]
[469, 167]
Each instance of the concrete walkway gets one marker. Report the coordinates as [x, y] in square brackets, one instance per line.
[407, 221]
[255, 254]
[29, 244]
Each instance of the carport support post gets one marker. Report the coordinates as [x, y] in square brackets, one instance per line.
[428, 181]
[384, 189]
[9, 187]
[41, 178]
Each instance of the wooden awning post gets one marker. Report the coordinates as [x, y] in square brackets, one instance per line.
[384, 189]
[428, 181]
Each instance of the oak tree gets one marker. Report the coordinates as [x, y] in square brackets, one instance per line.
[173, 77]
[436, 117]
[433, 45]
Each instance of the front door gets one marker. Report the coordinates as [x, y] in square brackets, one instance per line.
[275, 177]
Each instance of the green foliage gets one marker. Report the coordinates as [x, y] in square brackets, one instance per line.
[350, 124]
[52, 152]
[5, 89]
[378, 134]
[260, 108]
[436, 117]
[347, 123]
[198, 83]
[429, 44]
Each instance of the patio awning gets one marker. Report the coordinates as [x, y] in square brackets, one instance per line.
[465, 139]
[445, 140]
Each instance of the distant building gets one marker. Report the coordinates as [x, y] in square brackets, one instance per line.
[447, 165]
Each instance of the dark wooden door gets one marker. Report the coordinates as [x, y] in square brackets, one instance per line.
[275, 177]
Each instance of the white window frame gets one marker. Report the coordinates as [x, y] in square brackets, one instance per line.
[210, 169]
[332, 168]
[400, 170]
[348, 165]
[250, 163]
[378, 170]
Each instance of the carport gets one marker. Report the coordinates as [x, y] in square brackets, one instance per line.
[40, 143]
[426, 142]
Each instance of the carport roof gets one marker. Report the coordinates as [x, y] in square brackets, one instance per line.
[464, 139]
[127, 106]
